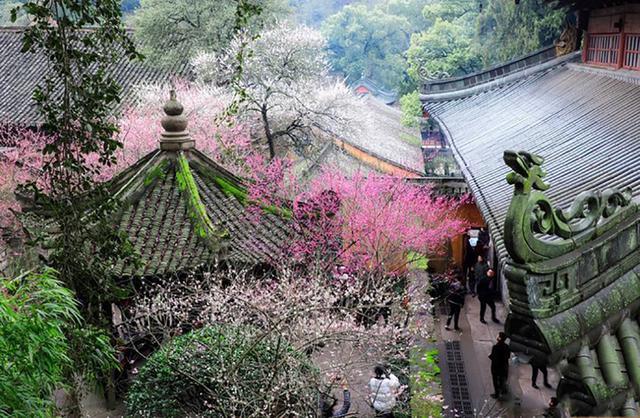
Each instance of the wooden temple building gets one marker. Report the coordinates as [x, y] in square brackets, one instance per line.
[549, 145]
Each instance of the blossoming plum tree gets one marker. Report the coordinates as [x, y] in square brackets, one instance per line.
[282, 78]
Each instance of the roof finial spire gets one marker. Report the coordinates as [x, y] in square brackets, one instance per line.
[175, 136]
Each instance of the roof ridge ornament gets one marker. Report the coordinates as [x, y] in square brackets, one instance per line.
[535, 230]
[175, 136]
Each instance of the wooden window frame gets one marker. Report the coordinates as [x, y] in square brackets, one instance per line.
[627, 51]
[619, 50]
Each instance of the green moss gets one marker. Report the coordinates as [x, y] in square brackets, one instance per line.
[239, 193]
[157, 172]
[197, 211]
[231, 189]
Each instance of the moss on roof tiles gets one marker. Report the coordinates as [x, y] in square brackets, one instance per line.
[178, 218]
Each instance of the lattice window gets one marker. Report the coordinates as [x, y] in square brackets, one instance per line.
[632, 51]
[603, 49]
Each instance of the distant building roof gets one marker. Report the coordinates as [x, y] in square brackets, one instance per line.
[386, 138]
[368, 86]
[182, 211]
[21, 72]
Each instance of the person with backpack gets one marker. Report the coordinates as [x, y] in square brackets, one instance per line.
[456, 302]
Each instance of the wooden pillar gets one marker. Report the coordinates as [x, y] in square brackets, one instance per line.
[621, 49]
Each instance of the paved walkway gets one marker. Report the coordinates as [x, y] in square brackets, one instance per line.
[476, 340]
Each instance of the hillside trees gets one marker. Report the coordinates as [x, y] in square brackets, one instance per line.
[282, 81]
[365, 42]
[171, 32]
[506, 30]
[446, 47]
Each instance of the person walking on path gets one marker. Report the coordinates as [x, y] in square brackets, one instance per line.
[469, 259]
[384, 388]
[538, 366]
[499, 356]
[456, 302]
[486, 291]
[479, 272]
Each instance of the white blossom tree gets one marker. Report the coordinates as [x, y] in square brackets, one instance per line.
[282, 78]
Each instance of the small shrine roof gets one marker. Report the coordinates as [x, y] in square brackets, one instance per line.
[181, 210]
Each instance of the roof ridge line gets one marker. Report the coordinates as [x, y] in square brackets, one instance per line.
[197, 210]
[627, 76]
[499, 82]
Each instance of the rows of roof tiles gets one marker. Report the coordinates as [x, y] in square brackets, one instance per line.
[583, 122]
[20, 73]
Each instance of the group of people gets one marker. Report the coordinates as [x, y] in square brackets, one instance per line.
[481, 281]
[483, 284]
[384, 389]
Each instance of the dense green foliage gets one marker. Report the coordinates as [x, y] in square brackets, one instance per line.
[171, 32]
[314, 12]
[506, 30]
[398, 43]
[445, 48]
[75, 102]
[39, 333]
[411, 109]
[370, 42]
[224, 371]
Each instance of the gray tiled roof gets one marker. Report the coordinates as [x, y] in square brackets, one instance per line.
[382, 137]
[159, 220]
[21, 72]
[583, 121]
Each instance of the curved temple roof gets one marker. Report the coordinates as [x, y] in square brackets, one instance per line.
[577, 306]
[182, 210]
[584, 121]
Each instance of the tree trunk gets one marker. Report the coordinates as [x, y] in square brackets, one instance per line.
[268, 133]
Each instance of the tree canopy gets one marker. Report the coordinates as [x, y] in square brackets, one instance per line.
[506, 30]
[172, 31]
[368, 43]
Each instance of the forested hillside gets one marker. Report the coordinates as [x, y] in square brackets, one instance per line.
[395, 43]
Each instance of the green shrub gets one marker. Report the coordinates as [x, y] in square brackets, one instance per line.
[43, 340]
[225, 371]
[411, 110]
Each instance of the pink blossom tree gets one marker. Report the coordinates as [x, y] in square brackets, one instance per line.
[366, 222]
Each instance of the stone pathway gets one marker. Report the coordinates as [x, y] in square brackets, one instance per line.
[476, 340]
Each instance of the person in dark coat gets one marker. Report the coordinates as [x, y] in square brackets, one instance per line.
[499, 356]
[486, 291]
[538, 366]
[456, 302]
[468, 259]
[479, 272]
[482, 247]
